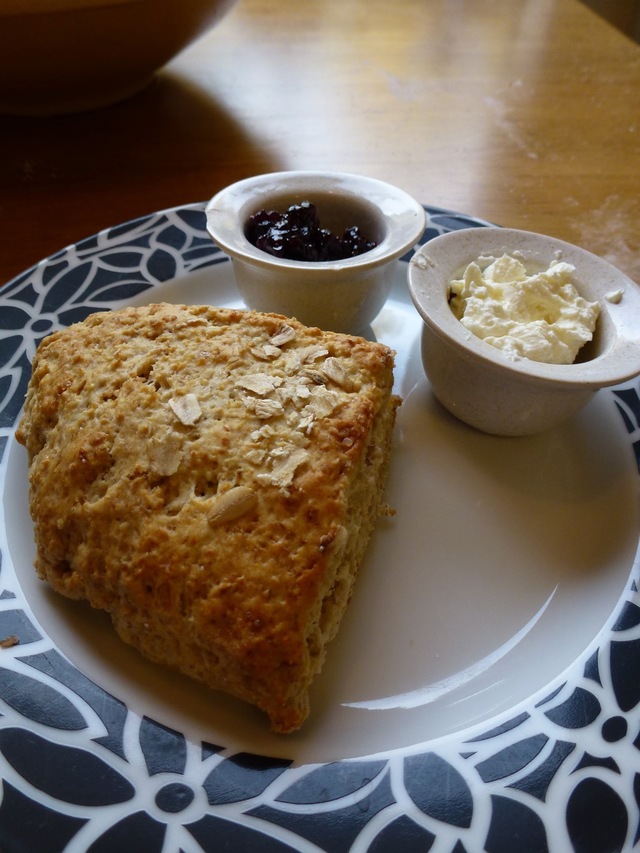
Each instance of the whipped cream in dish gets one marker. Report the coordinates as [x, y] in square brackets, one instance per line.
[540, 316]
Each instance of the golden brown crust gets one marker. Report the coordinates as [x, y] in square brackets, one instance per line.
[210, 477]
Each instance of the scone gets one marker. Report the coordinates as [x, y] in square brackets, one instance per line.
[211, 478]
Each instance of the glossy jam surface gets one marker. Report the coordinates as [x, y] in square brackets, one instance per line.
[297, 235]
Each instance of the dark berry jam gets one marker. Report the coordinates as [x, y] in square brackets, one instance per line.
[297, 236]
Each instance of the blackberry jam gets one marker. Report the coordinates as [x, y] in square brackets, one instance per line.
[297, 236]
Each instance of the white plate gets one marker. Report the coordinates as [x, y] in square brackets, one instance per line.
[484, 688]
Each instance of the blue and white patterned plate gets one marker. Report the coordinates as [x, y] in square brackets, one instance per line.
[484, 692]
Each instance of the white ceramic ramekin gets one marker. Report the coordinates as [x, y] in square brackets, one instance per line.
[343, 296]
[482, 386]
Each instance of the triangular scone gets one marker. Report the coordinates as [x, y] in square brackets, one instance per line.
[210, 477]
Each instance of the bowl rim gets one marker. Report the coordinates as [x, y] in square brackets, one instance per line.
[226, 212]
[619, 361]
[48, 7]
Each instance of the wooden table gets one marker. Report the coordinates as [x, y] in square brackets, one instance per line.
[522, 112]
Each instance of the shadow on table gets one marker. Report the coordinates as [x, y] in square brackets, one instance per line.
[171, 144]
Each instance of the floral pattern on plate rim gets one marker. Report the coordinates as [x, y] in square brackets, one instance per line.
[559, 772]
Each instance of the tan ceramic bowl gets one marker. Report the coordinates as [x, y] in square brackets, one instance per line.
[344, 295]
[477, 382]
[59, 56]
